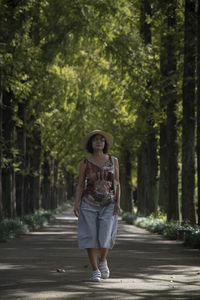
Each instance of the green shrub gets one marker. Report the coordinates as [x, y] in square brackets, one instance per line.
[13, 227]
[192, 237]
[128, 217]
[172, 230]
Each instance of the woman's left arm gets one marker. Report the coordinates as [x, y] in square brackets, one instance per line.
[118, 191]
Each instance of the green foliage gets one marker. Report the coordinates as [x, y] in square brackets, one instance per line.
[80, 65]
[37, 220]
[129, 218]
[12, 227]
[172, 230]
[192, 237]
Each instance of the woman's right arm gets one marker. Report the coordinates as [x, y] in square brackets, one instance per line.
[80, 187]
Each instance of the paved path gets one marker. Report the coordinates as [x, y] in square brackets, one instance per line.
[144, 266]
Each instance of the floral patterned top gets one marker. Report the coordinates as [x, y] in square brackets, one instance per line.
[99, 183]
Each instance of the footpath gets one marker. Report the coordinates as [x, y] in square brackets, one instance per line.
[143, 266]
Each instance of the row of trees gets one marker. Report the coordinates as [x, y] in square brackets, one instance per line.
[129, 67]
[179, 68]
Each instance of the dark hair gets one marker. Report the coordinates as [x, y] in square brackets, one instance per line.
[90, 148]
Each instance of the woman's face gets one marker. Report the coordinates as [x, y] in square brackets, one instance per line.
[98, 142]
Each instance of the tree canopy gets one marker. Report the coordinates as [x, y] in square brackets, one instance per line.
[68, 67]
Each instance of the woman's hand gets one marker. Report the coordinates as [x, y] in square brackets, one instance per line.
[116, 209]
[76, 209]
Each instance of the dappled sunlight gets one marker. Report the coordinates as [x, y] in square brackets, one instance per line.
[10, 267]
[66, 217]
[52, 232]
[143, 266]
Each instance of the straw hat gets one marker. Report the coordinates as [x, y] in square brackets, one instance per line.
[108, 137]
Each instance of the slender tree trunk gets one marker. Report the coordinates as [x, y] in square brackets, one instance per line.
[147, 191]
[188, 131]
[35, 163]
[149, 147]
[53, 184]
[69, 178]
[152, 173]
[172, 144]
[1, 143]
[198, 108]
[142, 185]
[163, 181]
[65, 187]
[8, 173]
[168, 196]
[173, 209]
[20, 175]
[46, 182]
[32, 164]
[125, 182]
[162, 198]
[26, 205]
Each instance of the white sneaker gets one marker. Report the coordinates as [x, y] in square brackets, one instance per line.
[96, 275]
[103, 267]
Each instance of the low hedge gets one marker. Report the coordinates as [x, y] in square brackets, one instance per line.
[172, 230]
[10, 228]
[13, 227]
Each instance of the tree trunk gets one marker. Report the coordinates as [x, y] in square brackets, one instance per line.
[35, 162]
[173, 210]
[152, 172]
[125, 182]
[27, 208]
[149, 147]
[46, 183]
[163, 186]
[145, 28]
[53, 179]
[163, 182]
[188, 130]
[69, 178]
[168, 130]
[20, 175]
[142, 185]
[8, 173]
[198, 108]
[172, 144]
[1, 139]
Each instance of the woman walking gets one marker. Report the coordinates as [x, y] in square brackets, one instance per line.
[97, 201]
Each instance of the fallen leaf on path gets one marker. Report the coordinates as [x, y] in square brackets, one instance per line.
[60, 270]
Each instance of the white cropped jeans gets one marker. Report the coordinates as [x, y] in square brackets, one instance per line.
[97, 226]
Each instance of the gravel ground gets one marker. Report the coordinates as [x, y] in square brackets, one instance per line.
[143, 266]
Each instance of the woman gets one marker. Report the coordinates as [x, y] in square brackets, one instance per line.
[97, 201]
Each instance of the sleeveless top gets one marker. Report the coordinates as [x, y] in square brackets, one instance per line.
[99, 183]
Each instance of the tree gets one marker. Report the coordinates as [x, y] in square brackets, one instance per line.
[198, 108]
[1, 143]
[172, 144]
[188, 122]
[147, 161]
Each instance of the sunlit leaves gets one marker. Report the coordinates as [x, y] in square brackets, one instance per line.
[82, 65]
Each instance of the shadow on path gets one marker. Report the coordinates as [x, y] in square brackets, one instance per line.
[143, 266]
